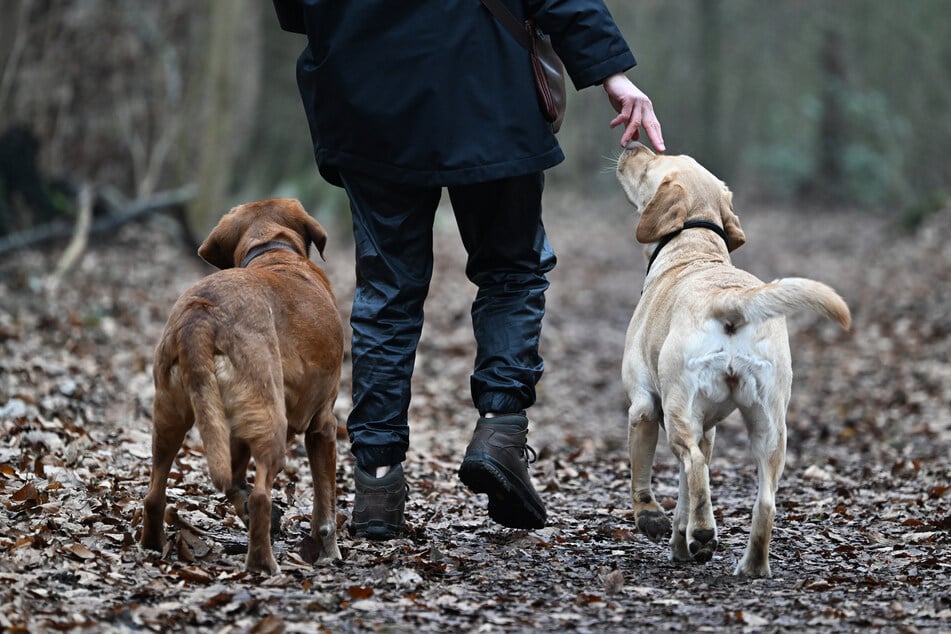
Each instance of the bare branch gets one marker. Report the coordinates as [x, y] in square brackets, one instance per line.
[77, 246]
[168, 201]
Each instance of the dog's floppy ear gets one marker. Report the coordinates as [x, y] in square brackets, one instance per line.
[731, 222]
[218, 248]
[666, 212]
[317, 235]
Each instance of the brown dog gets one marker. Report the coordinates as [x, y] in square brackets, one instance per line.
[706, 339]
[251, 354]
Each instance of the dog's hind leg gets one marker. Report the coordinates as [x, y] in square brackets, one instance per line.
[642, 444]
[678, 538]
[260, 556]
[695, 530]
[767, 430]
[238, 492]
[268, 452]
[321, 443]
[168, 434]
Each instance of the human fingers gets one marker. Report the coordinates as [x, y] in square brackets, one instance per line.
[631, 132]
[651, 125]
[624, 109]
[654, 133]
[631, 119]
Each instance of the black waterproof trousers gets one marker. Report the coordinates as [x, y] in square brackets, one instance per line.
[508, 256]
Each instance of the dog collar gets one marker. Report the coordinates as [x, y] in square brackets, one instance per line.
[261, 249]
[690, 224]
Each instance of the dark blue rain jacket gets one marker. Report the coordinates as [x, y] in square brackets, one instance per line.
[437, 92]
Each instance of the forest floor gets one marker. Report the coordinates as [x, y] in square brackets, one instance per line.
[863, 524]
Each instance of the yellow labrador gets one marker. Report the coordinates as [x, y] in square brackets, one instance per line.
[706, 339]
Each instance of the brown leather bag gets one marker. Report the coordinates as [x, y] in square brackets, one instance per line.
[547, 68]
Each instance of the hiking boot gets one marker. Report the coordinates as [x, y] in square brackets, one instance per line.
[496, 463]
[378, 504]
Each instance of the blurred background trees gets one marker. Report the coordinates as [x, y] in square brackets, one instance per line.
[845, 103]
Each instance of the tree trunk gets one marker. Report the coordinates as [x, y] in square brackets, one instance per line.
[833, 134]
[12, 39]
[710, 98]
[222, 90]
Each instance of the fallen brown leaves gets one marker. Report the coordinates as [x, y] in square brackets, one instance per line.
[864, 518]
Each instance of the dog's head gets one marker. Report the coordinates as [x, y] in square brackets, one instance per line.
[249, 225]
[667, 191]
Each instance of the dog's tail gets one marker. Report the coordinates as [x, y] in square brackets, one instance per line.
[780, 298]
[196, 350]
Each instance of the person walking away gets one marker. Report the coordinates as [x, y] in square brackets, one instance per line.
[402, 101]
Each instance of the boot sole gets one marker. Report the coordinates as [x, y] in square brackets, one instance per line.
[376, 531]
[509, 504]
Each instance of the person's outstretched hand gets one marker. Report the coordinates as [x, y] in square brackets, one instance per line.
[634, 109]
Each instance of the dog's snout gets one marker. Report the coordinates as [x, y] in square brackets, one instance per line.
[632, 150]
[626, 155]
[634, 147]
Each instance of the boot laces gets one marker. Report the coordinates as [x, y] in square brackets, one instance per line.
[528, 454]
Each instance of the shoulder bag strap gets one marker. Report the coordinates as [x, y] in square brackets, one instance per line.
[510, 22]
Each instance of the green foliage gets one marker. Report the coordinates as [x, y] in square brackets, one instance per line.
[870, 161]
[894, 92]
[781, 168]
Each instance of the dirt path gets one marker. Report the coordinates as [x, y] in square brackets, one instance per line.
[864, 512]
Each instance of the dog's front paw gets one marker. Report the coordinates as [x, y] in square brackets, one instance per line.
[326, 536]
[753, 565]
[263, 565]
[153, 539]
[152, 549]
[678, 547]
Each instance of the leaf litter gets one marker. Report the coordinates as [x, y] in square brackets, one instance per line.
[864, 508]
